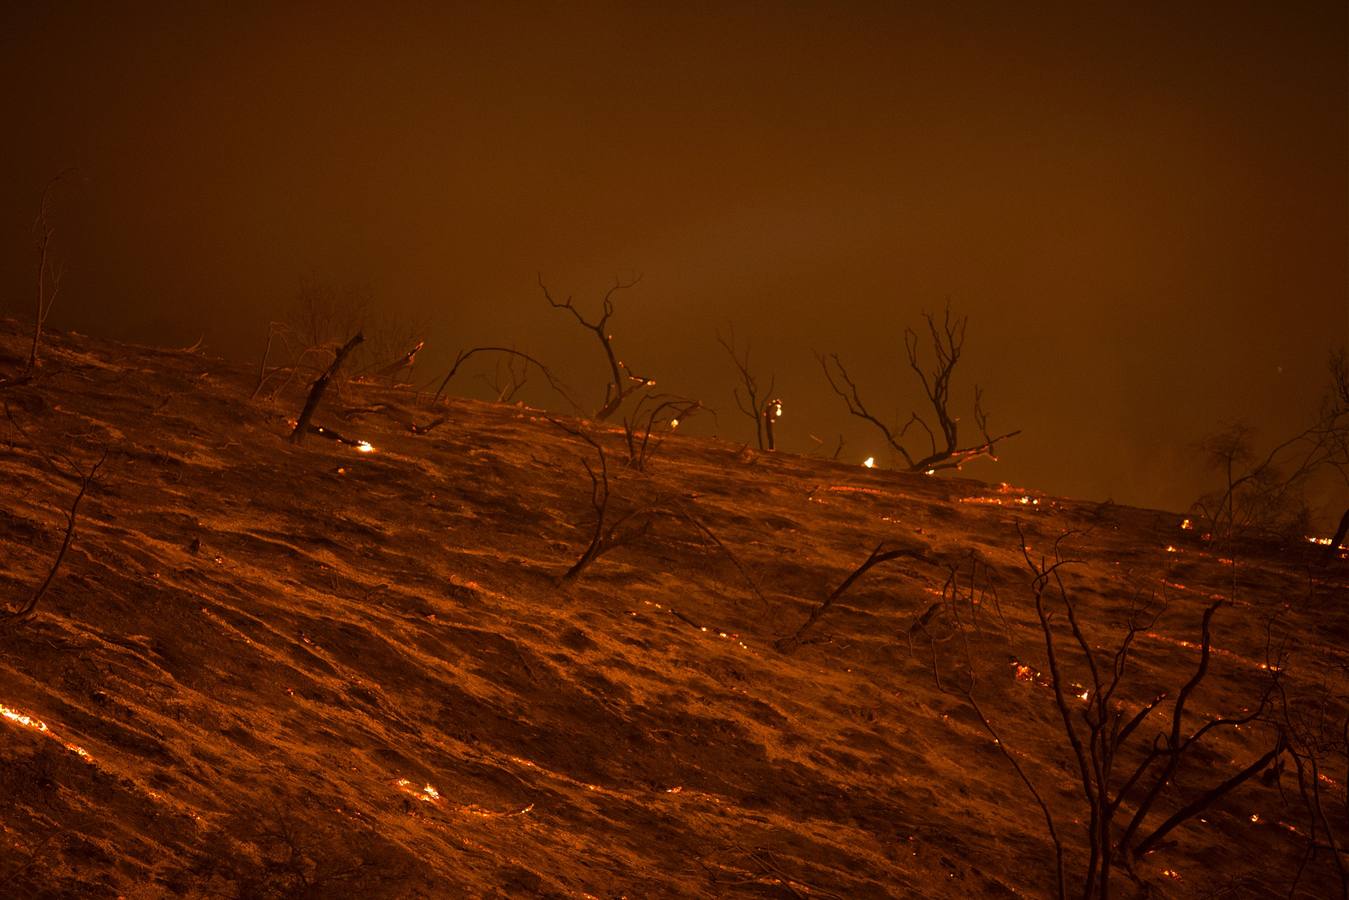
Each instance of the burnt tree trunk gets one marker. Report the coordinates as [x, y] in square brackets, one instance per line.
[321, 385]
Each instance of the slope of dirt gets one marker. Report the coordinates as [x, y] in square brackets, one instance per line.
[271, 670]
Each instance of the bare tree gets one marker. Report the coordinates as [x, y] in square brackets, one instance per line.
[944, 449]
[763, 407]
[1097, 727]
[623, 382]
[48, 283]
[48, 272]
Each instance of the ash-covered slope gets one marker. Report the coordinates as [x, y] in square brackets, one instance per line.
[269, 670]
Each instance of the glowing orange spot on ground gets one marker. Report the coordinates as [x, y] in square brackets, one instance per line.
[426, 794]
[26, 721]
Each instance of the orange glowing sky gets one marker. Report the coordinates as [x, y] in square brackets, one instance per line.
[1145, 210]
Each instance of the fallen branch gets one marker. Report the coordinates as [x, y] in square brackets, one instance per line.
[878, 556]
[321, 385]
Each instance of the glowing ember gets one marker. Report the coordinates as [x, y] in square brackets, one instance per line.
[427, 794]
[364, 447]
[869, 462]
[1023, 500]
[27, 721]
[1170, 548]
[1324, 542]
[1186, 525]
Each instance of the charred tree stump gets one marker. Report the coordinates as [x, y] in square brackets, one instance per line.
[321, 385]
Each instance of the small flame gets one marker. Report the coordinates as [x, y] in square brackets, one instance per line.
[1170, 548]
[674, 423]
[364, 447]
[1186, 525]
[869, 462]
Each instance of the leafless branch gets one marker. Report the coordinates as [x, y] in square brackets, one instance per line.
[878, 556]
[463, 356]
[764, 408]
[652, 420]
[623, 382]
[944, 450]
[30, 605]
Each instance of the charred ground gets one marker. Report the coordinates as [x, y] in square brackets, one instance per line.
[271, 670]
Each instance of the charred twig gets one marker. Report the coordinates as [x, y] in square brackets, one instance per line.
[678, 510]
[623, 382]
[878, 556]
[29, 606]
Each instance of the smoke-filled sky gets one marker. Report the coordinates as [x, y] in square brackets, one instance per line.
[1144, 209]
